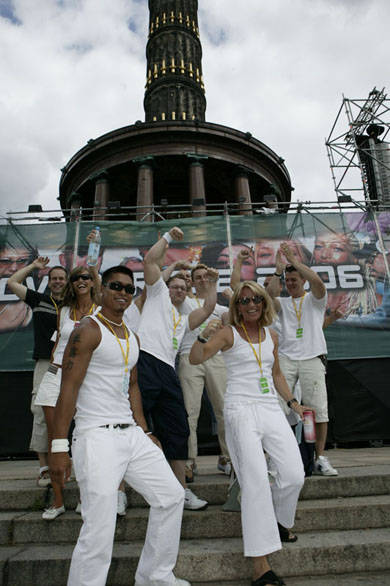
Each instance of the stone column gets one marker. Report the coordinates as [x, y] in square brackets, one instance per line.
[197, 185]
[242, 192]
[145, 188]
[102, 195]
[74, 203]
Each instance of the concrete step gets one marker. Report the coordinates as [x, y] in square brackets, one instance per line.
[218, 560]
[24, 495]
[317, 515]
[360, 579]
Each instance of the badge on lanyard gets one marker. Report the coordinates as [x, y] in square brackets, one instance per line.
[299, 333]
[202, 326]
[126, 382]
[175, 343]
[264, 384]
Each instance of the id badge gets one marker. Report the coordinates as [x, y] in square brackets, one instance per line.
[299, 333]
[264, 384]
[202, 326]
[175, 343]
[125, 383]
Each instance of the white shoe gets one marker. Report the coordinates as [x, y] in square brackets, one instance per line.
[193, 503]
[53, 513]
[78, 508]
[44, 479]
[181, 582]
[224, 465]
[323, 467]
[122, 503]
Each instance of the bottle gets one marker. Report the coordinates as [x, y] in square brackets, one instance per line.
[94, 248]
[309, 428]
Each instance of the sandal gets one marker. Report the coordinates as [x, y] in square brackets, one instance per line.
[268, 578]
[285, 535]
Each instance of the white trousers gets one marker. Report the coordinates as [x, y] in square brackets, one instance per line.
[193, 378]
[252, 427]
[101, 458]
[38, 442]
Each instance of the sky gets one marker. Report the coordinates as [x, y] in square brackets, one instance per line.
[71, 70]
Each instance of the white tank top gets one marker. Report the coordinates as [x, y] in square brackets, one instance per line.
[67, 328]
[101, 399]
[243, 371]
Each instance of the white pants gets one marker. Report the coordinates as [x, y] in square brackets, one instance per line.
[38, 442]
[193, 378]
[101, 458]
[252, 427]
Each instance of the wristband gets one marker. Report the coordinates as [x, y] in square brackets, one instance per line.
[167, 237]
[278, 275]
[202, 340]
[291, 401]
[59, 445]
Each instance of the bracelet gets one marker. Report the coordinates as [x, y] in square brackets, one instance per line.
[291, 401]
[59, 445]
[167, 237]
[148, 432]
[278, 275]
[202, 340]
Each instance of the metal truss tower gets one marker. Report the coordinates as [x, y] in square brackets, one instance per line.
[359, 159]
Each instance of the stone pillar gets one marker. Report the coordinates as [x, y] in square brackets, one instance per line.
[242, 192]
[197, 185]
[145, 188]
[74, 203]
[102, 195]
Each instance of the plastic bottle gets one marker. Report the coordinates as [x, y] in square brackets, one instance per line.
[309, 428]
[94, 248]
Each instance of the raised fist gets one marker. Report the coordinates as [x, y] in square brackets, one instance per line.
[176, 233]
[41, 262]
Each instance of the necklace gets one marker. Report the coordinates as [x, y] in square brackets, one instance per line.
[83, 314]
[109, 321]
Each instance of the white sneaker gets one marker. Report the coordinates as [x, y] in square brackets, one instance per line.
[53, 513]
[193, 503]
[323, 467]
[44, 479]
[78, 508]
[224, 465]
[181, 582]
[122, 503]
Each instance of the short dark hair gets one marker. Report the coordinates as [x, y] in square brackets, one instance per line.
[177, 276]
[117, 269]
[55, 268]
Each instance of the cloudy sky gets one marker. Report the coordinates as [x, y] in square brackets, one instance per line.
[71, 70]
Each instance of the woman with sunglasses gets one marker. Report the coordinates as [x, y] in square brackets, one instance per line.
[80, 297]
[254, 422]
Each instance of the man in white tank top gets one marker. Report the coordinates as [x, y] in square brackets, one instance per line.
[302, 341]
[111, 441]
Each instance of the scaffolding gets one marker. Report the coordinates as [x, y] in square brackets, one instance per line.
[360, 160]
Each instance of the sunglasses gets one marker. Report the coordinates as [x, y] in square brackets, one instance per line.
[82, 277]
[257, 299]
[116, 286]
[11, 261]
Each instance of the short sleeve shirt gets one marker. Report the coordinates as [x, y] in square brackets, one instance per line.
[44, 321]
[157, 326]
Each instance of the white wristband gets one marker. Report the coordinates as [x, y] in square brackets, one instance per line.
[59, 445]
[167, 237]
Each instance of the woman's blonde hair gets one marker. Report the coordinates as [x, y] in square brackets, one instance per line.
[68, 295]
[268, 314]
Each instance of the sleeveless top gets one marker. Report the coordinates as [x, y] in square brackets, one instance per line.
[101, 399]
[66, 328]
[243, 371]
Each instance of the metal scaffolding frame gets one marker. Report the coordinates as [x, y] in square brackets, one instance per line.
[348, 170]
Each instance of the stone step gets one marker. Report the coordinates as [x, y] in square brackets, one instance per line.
[317, 515]
[360, 579]
[221, 560]
[24, 495]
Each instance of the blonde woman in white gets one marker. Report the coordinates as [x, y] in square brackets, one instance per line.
[254, 422]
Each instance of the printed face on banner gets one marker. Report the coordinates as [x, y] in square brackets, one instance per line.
[333, 249]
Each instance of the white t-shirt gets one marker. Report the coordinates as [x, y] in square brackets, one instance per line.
[156, 330]
[189, 305]
[312, 343]
[132, 317]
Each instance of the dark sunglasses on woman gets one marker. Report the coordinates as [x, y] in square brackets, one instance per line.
[77, 277]
[116, 286]
[257, 299]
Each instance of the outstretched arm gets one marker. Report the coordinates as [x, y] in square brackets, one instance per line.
[179, 265]
[274, 285]
[16, 280]
[316, 285]
[217, 338]
[242, 256]
[153, 258]
[198, 316]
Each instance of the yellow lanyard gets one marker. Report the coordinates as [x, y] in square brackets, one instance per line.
[89, 312]
[298, 312]
[258, 357]
[125, 355]
[54, 303]
[175, 323]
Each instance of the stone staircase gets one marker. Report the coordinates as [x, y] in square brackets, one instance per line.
[343, 525]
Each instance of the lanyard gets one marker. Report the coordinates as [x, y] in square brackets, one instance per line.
[298, 312]
[258, 357]
[175, 323]
[54, 303]
[89, 312]
[125, 355]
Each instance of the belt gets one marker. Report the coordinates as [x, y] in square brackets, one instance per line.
[53, 369]
[116, 425]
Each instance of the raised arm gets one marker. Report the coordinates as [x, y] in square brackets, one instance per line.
[274, 285]
[317, 286]
[215, 339]
[16, 280]
[154, 257]
[82, 342]
[178, 265]
[97, 283]
[198, 316]
[242, 256]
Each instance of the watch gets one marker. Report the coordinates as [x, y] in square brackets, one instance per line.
[291, 401]
[202, 340]
[278, 275]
